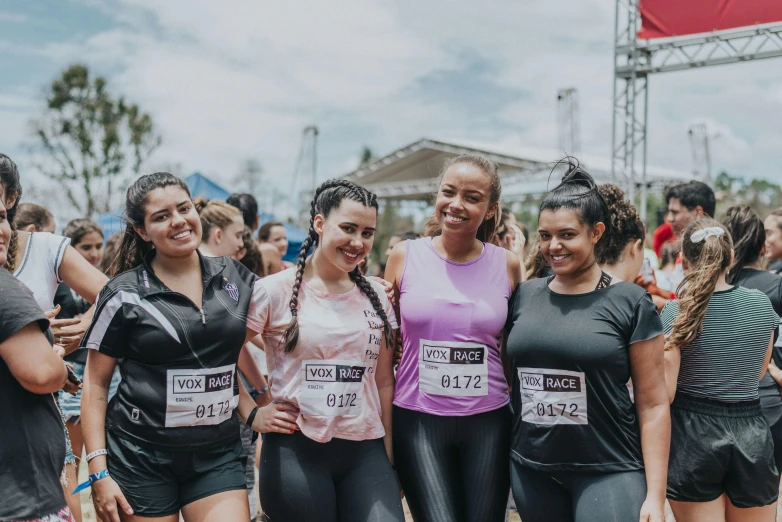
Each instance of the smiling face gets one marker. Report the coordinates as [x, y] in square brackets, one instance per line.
[567, 244]
[346, 235]
[90, 246]
[279, 238]
[171, 222]
[463, 201]
[5, 233]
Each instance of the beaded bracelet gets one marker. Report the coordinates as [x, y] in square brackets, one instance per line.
[96, 453]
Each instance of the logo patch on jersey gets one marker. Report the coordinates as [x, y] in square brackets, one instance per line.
[233, 291]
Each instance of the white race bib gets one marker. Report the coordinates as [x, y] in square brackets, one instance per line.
[332, 388]
[453, 369]
[553, 396]
[200, 397]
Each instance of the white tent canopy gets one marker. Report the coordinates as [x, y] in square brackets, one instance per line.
[411, 171]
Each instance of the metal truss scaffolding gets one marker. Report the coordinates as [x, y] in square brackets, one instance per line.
[635, 60]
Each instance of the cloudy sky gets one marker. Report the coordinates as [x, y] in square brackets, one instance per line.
[231, 80]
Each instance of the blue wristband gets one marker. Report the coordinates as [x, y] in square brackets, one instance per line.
[92, 478]
[256, 393]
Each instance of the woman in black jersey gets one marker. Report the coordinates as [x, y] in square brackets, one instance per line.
[174, 321]
[719, 342]
[581, 450]
[747, 228]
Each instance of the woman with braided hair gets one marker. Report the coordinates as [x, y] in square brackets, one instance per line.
[328, 333]
[719, 339]
[452, 423]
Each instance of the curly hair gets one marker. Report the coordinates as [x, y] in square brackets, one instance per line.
[624, 227]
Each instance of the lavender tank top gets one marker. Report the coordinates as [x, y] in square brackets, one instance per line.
[452, 317]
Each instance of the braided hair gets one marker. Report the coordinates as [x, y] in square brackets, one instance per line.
[12, 186]
[328, 197]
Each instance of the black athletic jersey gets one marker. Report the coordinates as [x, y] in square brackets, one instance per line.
[570, 357]
[768, 390]
[178, 364]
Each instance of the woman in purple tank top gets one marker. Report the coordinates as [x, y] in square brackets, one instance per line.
[451, 416]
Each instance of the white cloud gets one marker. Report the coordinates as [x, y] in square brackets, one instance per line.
[230, 80]
[14, 18]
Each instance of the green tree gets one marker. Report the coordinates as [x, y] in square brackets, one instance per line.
[90, 140]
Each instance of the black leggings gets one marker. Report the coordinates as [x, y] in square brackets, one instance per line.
[453, 469]
[338, 481]
[570, 496]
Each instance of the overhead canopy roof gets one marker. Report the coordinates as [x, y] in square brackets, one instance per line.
[411, 171]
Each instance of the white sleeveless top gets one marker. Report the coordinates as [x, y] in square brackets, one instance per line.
[39, 268]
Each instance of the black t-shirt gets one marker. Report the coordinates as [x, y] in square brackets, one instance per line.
[771, 285]
[71, 305]
[571, 365]
[179, 388]
[32, 441]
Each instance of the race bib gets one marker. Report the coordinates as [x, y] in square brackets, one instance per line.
[553, 396]
[332, 388]
[453, 369]
[200, 397]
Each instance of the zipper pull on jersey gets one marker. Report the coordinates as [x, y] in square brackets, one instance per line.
[203, 317]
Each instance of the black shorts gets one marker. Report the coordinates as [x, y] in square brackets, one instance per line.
[158, 483]
[719, 447]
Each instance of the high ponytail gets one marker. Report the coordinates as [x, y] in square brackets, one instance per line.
[327, 198]
[133, 248]
[707, 258]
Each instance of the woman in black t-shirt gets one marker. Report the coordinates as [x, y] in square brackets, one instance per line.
[32, 448]
[174, 321]
[749, 236]
[581, 450]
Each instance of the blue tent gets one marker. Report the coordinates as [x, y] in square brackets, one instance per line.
[201, 186]
[296, 236]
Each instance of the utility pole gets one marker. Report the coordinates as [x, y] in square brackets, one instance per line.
[700, 141]
[568, 121]
[305, 175]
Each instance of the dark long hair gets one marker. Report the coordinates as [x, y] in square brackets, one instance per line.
[327, 198]
[133, 248]
[748, 233]
[9, 178]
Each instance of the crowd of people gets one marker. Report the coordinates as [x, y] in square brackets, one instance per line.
[577, 370]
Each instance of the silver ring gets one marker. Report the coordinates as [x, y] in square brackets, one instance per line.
[59, 340]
